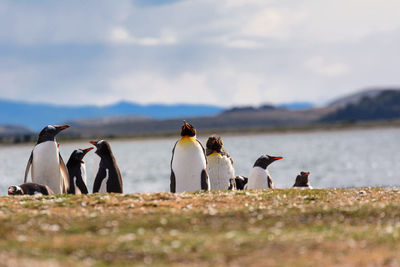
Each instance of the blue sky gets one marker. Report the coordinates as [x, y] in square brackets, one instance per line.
[225, 52]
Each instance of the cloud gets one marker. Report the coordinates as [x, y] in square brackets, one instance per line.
[321, 66]
[120, 35]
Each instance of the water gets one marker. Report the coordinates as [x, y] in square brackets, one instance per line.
[351, 158]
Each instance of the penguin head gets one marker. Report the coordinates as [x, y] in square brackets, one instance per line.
[265, 160]
[188, 129]
[103, 147]
[78, 154]
[302, 179]
[15, 190]
[215, 143]
[49, 132]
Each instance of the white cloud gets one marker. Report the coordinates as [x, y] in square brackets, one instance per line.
[120, 35]
[321, 66]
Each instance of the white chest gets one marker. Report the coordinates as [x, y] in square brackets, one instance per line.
[46, 166]
[220, 170]
[258, 178]
[187, 164]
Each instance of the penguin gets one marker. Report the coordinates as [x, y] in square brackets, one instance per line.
[48, 167]
[77, 172]
[302, 181]
[108, 178]
[259, 176]
[238, 183]
[30, 189]
[188, 163]
[220, 164]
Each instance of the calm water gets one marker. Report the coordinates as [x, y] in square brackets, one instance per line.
[335, 159]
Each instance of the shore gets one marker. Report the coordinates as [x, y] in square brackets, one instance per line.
[281, 227]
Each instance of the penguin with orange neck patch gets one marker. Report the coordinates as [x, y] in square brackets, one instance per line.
[188, 163]
[220, 164]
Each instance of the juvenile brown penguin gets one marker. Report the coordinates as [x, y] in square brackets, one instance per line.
[220, 164]
[302, 181]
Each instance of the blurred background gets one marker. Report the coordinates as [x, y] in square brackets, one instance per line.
[314, 81]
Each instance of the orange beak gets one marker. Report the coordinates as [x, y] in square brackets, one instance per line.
[10, 191]
[307, 173]
[64, 127]
[93, 143]
[276, 158]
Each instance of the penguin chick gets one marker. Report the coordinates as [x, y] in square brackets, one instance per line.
[30, 189]
[108, 177]
[260, 177]
[302, 181]
[220, 164]
[77, 171]
[238, 183]
[188, 163]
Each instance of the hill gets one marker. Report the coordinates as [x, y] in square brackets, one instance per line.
[36, 115]
[382, 105]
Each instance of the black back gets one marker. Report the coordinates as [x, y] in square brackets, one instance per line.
[107, 162]
[302, 180]
[74, 169]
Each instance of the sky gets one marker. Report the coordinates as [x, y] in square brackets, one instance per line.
[225, 52]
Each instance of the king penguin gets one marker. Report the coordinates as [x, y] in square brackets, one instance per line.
[260, 177]
[48, 167]
[108, 178]
[220, 164]
[188, 163]
[77, 172]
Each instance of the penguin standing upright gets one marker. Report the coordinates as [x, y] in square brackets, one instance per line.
[108, 178]
[188, 163]
[260, 177]
[48, 167]
[220, 164]
[30, 189]
[77, 172]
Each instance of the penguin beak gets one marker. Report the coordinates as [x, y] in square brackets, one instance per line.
[10, 191]
[276, 158]
[93, 142]
[87, 150]
[63, 127]
[307, 173]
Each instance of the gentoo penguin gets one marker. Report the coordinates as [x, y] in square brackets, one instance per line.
[238, 183]
[302, 181]
[259, 176]
[77, 172]
[220, 164]
[30, 189]
[48, 167]
[108, 178]
[188, 163]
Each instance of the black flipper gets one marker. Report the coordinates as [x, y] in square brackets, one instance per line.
[81, 184]
[204, 181]
[101, 174]
[172, 185]
[270, 183]
[28, 167]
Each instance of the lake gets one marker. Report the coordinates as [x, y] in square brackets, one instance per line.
[349, 158]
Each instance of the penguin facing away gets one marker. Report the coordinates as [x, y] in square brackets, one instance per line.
[77, 171]
[302, 181]
[48, 167]
[260, 177]
[188, 163]
[220, 164]
[108, 178]
[30, 189]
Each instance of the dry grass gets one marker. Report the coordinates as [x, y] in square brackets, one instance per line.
[288, 227]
